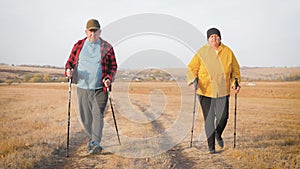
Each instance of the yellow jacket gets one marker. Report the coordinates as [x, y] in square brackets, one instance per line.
[215, 70]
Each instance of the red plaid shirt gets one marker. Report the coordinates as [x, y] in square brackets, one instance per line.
[108, 60]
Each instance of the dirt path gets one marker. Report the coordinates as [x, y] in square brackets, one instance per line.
[145, 144]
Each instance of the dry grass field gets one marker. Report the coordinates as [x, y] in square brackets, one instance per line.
[34, 126]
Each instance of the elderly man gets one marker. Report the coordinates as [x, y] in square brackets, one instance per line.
[92, 66]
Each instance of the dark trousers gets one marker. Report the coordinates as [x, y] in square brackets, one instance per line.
[215, 113]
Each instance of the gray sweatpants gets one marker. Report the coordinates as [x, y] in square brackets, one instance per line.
[92, 105]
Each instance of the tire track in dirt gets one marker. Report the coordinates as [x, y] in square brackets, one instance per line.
[174, 156]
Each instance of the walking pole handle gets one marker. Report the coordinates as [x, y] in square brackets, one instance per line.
[236, 83]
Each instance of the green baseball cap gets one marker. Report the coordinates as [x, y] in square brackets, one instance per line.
[92, 24]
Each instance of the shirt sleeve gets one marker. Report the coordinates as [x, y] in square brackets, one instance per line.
[112, 65]
[193, 68]
[235, 71]
[71, 62]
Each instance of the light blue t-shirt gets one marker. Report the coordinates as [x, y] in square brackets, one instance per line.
[89, 66]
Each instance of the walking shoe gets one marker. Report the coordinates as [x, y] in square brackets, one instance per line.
[211, 151]
[90, 144]
[96, 149]
[221, 143]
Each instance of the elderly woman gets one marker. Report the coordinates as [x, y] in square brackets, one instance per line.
[214, 67]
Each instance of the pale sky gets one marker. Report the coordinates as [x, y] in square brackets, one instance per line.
[262, 33]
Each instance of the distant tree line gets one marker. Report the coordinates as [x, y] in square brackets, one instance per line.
[42, 66]
[274, 77]
[291, 77]
[34, 78]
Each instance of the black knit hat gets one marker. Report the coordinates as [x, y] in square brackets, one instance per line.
[213, 31]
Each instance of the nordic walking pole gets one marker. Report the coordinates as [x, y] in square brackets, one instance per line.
[69, 106]
[192, 130]
[236, 85]
[113, 113]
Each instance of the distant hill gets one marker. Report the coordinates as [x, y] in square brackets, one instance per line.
[247, 73]
[27, 73]
[270, 73]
